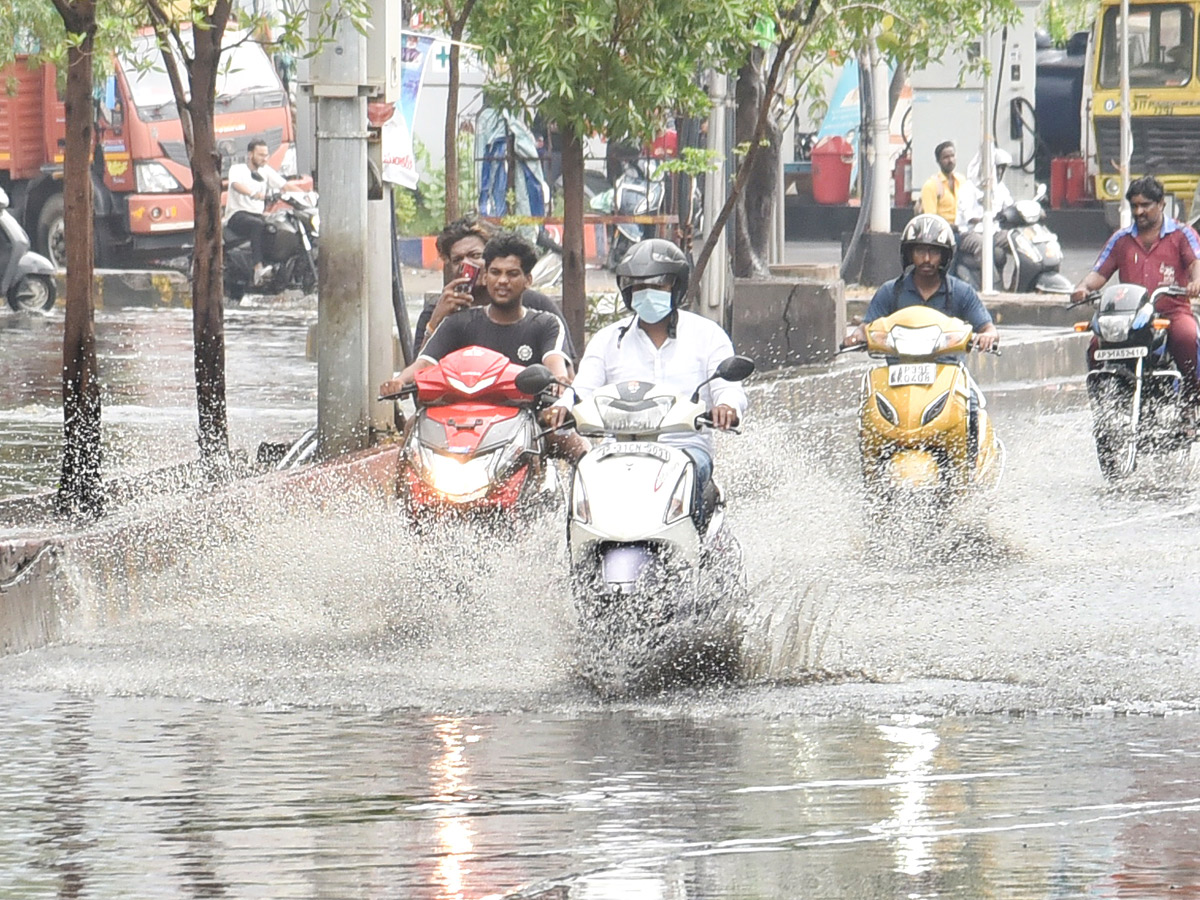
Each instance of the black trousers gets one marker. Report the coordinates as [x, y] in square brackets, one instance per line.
[250, 225]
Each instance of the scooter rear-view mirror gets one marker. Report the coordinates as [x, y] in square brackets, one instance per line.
[534, 379]
[733, 368]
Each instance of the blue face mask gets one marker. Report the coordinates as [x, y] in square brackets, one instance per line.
[651, 304]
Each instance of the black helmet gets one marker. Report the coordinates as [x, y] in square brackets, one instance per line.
[651, 262]
[930, 231]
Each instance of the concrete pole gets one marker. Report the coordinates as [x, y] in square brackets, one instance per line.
[714, 284]
[343, 393]
[987, 258]
[381, 362]
[880, 221]
[1126, 130]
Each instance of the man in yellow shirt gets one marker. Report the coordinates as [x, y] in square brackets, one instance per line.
[941, 193]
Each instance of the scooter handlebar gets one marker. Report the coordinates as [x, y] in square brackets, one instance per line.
[705, 421]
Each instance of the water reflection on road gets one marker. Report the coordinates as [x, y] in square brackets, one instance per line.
[120, 797]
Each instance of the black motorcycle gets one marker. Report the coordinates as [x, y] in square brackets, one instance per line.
[289, 248]
[1136, 390]
[26, 278]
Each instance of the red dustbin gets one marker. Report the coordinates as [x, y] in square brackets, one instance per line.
[832, 162]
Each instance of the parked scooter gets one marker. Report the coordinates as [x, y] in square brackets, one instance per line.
[1136, 392]
[658, 584]
[923, 425]
[475, 446]
[26, 278]
[1034, 256]
[638, 191]
[290, 249]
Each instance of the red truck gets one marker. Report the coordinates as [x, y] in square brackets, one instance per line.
[141, 175]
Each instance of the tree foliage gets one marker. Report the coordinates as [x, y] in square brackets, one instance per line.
[614, 67]
[813, 34]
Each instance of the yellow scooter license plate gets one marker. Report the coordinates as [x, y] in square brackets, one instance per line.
[912, 373]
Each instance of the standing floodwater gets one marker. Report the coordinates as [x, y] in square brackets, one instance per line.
[317, 703]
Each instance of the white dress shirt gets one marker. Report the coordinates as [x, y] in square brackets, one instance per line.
[681, 363]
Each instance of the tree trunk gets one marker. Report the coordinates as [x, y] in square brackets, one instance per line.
[450, 136]
[458, 26]
[756, 205]
[208, 325]
[80, 489]
[747, 166]
[574, 291]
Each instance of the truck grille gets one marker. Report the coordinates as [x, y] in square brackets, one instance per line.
[1161, 144]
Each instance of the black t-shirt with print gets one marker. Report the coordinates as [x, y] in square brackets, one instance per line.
[530, 299]
[532, 339]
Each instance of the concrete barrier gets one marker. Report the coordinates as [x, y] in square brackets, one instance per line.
[1043, 310]
[788, 322]
[120, 288]
[45, 574]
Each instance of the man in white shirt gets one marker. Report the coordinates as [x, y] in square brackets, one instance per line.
[662, 344]
[970, 238]
[245, 202]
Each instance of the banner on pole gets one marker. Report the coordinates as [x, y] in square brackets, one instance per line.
[399, 160]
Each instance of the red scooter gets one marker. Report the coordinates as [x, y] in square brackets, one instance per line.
[475, 445]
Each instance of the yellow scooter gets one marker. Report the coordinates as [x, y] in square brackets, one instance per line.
[923, 426]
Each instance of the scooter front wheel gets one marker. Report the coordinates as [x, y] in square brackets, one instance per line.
[32, 293]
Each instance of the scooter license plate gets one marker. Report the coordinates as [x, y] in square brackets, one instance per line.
[912, 373]
[1122, 352]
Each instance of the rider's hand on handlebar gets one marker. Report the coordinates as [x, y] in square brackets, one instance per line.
[854, 338]
[986, 341]
[1193, 288]
[723, 416]
[554, 416]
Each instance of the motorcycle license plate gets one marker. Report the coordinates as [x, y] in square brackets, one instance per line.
[912, 373]
[1122, 352]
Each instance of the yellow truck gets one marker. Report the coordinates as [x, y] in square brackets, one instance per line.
[1164, 97]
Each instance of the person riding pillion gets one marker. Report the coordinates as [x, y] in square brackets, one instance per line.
[926, 248]
[662, 344]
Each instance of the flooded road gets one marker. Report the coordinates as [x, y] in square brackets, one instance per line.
[149, 388]
[1002, 705]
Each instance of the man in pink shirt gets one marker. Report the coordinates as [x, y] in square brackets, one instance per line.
[1152, 252]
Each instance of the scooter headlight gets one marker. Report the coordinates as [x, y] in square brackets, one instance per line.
[886, 409]
[934, 409]
[679, 506]
[922, 341]
[458, 479]
[1115, 327]
[581, 510]
[950, 339]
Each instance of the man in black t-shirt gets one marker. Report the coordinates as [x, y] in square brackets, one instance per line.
[525, 336]
[462, 241]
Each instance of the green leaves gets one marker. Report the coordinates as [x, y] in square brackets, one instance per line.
[616, 66]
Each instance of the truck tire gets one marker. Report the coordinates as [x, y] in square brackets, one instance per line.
[51, 235]
[32, 293]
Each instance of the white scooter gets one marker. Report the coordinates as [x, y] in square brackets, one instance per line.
[658, 584]
[26, 278]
